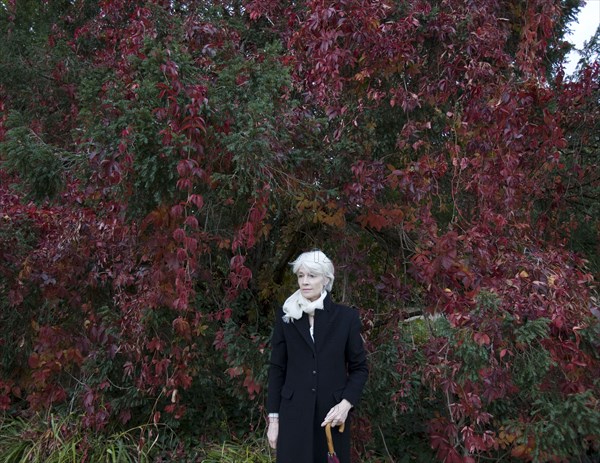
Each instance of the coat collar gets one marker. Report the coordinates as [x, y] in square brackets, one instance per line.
[324, 320]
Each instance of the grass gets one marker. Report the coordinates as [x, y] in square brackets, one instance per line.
[64, 440]
[54, 439]
[250, 451]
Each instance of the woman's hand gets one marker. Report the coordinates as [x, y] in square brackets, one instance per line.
[338, 414]
[273, 432]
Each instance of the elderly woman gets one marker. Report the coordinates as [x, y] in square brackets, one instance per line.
[318, 367]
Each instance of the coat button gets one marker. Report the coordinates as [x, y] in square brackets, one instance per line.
[314, 390]
[314, 372]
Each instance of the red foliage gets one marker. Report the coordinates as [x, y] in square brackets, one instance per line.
[479, 139]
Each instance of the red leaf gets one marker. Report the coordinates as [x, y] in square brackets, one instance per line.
[373, 220]
[197, 200]
[252, 386]
[182, 327]
[179, 235]
[192, 222]
[481, 339]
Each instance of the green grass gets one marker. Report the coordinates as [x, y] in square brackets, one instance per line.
[251, 451]
[64, 440]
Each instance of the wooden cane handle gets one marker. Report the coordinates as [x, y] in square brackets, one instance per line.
[329, 438]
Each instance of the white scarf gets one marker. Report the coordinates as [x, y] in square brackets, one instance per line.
[297, 304]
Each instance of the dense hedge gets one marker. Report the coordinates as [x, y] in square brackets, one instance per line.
[161, 162]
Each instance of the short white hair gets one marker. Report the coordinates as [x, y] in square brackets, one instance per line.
[316, 261]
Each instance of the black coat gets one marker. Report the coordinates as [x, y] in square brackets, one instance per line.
[307, 378]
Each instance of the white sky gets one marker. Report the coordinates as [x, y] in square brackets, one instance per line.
[588, 20]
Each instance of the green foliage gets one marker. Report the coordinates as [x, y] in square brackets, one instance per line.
[565, 426]
[245, 452]
[472, 356]
[534, 330]
[59, 439]
[396, 400]
[63, 440]
[250, 95]
[557, 425]
[418, 331]
[532, 361]
[530, 367]
[19, 236]
[124, 133]
[41, 166]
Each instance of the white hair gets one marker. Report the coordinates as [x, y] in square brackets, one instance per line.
[317, 262]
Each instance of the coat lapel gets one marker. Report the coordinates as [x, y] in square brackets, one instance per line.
[324, 322]
[304, 329]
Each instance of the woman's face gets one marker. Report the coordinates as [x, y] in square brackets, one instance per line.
[310, 283]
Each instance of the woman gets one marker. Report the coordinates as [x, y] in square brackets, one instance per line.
[318, 367]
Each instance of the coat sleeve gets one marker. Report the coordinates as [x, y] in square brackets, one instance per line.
[277, 366]
[356, 358]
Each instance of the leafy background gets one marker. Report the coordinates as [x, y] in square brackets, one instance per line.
[161, 162]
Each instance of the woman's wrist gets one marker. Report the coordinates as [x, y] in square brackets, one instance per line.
[346, 404]
[273, 418]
